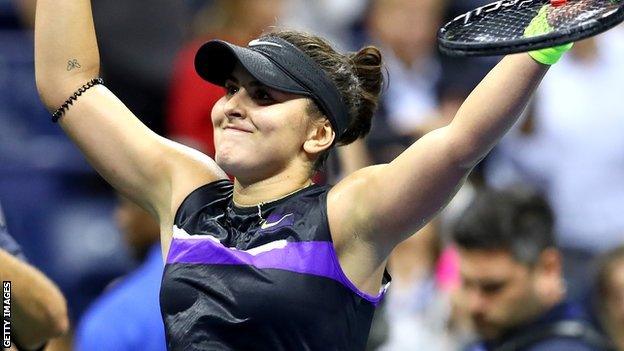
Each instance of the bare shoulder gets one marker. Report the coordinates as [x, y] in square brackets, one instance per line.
[353, 183]
[347, 216]
[190, 169]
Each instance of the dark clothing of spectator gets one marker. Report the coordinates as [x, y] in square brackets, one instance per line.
[6, 241]
[565, 327]
[138, 42]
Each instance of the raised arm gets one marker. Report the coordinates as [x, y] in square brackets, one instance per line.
[150, 170]
[391, 202]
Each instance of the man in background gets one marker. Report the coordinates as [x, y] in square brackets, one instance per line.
[512, 282]
[38, 309]
[127, 316]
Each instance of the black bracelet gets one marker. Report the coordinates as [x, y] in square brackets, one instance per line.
[61, 110]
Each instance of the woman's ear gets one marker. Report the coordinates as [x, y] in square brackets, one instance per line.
[320, 137]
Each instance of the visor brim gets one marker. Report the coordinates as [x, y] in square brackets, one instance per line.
[216, 59]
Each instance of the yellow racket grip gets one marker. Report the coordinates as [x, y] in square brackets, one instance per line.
[538, 26]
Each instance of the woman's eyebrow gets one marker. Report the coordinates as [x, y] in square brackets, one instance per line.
[251, 83]
[232, 79]
[257, 84]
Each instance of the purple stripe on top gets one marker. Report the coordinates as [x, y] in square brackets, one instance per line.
[308, 257]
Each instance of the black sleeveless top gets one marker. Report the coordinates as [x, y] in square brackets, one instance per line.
[236, 281]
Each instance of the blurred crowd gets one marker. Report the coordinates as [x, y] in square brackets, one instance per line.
[533, 240]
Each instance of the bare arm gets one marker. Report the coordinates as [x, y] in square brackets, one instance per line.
[38, 309]
[386, 204]
[151, 170]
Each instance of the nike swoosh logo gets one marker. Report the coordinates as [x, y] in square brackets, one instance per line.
[266, 225]
[257, 42]
[280, 244]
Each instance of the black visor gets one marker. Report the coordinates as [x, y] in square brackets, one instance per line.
[277, 64]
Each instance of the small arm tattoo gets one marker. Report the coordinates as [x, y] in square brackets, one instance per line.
[71, 64]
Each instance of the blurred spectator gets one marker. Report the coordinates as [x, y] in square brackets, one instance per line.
[512, 283]
[410, 102]
[412, 72]
[190, 97]
[127, 316]
[38, 309]
[570, 148]
[9, 14]
[6, 241]
[25, 11]
[417, 307]
[423, 92]
[457, 7]
[610, 295]
[331, 19]
[138, 41]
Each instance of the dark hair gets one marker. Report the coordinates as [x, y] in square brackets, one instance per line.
[357, 75]
[518, 221]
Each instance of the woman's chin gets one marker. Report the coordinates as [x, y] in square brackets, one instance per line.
[230, 165]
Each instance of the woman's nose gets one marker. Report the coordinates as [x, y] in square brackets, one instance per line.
[235, 105]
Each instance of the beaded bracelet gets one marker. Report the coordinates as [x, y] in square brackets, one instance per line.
[61, 110]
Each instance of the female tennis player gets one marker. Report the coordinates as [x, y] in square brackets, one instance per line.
[271, 261]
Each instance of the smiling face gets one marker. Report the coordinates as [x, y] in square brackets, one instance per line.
[260, 132]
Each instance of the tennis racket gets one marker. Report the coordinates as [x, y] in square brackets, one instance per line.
[501, 27]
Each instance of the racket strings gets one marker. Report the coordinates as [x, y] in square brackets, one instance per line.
[505, 25]
[510, 23]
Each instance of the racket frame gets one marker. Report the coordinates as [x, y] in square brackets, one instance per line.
[579, 32]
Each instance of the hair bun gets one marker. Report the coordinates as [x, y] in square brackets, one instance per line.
[366, 65]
